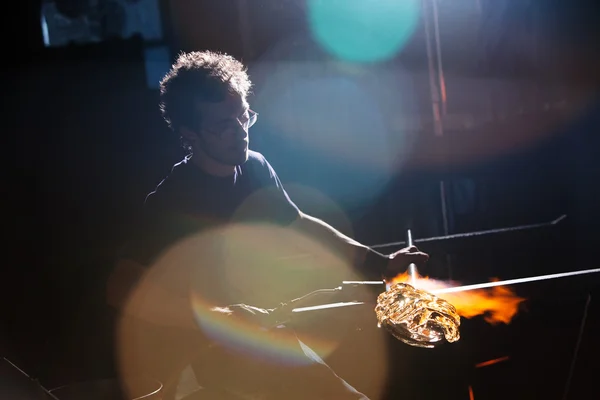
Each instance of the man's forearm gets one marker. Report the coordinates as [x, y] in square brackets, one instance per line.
[354, 252]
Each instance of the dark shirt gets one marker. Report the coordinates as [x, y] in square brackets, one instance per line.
[189, 201]
[198, 232]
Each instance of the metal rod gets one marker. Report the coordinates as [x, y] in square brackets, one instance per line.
[436, 94]
[451, 289]
[577, 347]
[326, 306]
[442, 239]
[46, 391]
[436, 239]
[438, 50]
[514, 281]
[412, 268]
[493, 284]
[434, 90]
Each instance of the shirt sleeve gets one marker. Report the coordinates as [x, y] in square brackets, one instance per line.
[270, 202]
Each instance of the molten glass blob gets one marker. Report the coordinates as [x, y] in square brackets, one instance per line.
[417, 317]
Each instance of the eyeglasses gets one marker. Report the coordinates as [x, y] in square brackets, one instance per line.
[231, 127]
[249, 121]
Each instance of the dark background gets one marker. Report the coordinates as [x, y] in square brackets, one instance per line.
[86, 142]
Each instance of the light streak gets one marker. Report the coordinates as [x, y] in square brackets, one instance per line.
[451, 289]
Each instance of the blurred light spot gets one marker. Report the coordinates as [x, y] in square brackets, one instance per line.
[338, 124]
[363, 30]
[257, 257]
[244, 263]
[261, 254]
[337, 121]
[237, 263]
[254, 268]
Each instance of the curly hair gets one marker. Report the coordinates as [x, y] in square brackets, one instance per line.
[199, 76]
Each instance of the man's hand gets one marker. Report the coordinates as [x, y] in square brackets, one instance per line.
[400, 260]
[261, 318]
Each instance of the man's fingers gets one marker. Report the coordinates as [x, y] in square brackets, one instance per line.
[413, 253]
[250, 309]
[418, 254]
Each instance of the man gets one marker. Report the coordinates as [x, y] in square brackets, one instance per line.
[220, 183]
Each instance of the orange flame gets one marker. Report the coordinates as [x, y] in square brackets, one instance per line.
[497, 305]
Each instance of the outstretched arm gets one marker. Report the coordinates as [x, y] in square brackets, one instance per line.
[365, 259]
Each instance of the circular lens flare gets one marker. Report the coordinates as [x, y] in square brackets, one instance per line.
[363, 31]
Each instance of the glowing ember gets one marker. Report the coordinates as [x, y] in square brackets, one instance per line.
[417, 317]
[491, 362]
[498, 304]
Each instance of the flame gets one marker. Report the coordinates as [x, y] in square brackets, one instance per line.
[497, 305]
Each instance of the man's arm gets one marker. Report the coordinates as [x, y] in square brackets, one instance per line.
[322, 232]
[370, 263]
[366, 260]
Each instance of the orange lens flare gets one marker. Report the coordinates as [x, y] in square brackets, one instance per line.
[492, 362]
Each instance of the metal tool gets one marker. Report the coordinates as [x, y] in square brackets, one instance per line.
[350, 293]
[39, 388]
[487, 285]
[412, 268]
[454, 289]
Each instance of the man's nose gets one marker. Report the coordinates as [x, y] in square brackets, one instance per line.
[241, 131]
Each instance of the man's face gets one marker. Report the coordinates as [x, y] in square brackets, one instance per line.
[221, 134]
